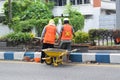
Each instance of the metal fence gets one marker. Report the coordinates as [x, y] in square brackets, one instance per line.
[105, 37]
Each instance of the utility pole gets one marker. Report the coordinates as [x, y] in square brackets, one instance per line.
[10, 10]
[117, 14]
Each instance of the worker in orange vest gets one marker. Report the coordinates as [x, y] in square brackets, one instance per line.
[48, 37]
[66, 35]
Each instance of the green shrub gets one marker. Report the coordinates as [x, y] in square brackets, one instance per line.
[19, 37]
[92, 34]
[76, 18]
[3, 38]
[27, 14]
[81, 37]
[96, 34]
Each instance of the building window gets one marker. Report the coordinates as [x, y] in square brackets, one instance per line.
[64, 2]
[79, 1]
[113, 0]
[72, 2]
[86, 1]
[59, 2]
[83, 1]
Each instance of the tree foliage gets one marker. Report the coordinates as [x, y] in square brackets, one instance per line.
[27, 14]
[76, 18]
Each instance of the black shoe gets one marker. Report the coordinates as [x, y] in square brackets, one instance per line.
[42, 61]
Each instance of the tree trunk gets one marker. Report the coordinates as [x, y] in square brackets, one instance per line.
[46, 0]
[10, 10]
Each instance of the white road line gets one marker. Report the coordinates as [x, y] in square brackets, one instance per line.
[70, 64]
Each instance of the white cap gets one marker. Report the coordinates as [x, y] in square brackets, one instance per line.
[66, 19]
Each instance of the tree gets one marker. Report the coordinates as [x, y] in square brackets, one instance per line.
[27, 14]
[9, 11]
[76, 18]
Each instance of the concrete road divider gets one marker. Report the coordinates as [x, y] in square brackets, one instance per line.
[19, 55]
[74, 56]
[97, 57]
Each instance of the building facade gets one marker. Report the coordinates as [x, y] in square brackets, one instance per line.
[98, 13]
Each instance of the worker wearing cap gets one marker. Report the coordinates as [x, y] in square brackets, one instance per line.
[66, 35]
[48, 36]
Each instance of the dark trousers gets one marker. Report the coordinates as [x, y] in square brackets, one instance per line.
[45, 46]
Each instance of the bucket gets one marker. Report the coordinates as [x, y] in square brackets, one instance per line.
[37, 60]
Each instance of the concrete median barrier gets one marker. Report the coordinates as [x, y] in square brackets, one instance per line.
[19, 55]
[74, 57]
[96, 57]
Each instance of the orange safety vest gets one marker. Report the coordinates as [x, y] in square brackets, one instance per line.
[67, 32]
[50, 34]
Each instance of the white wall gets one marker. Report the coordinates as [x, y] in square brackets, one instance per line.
[108, 5]
[88, 25]
[85, 9]
[107, 21]
[93, 22]
[96, 18]
[58, 10]
[1, 7]
[4, 30]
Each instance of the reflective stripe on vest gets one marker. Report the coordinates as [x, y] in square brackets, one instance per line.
[67, 32]
[50, 34]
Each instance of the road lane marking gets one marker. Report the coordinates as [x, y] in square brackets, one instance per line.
[69, 64]
[24, 62]
[95, 65]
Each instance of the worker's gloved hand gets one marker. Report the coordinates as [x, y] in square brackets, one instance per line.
[58, 41]
[41, 40]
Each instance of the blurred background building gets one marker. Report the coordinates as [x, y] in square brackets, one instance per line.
[98, 13]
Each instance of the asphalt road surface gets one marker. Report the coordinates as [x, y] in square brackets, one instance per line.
[18, 70]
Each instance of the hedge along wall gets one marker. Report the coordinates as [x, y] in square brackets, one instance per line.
[104, 35]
